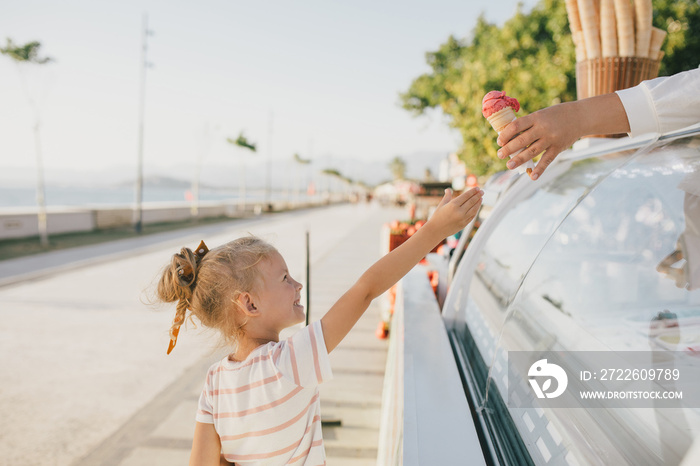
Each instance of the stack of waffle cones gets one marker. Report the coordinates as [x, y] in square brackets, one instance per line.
[616, 45]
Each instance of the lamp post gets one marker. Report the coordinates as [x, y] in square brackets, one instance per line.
[268, 174]
[138, 211]
[299, 161]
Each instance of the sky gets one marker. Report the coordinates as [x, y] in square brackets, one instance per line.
[320, 78]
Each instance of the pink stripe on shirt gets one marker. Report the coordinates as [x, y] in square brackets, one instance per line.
[293, 358]
[243, 388]
[260, 408]
[317, 367]
[272, 430]
[272, 454]
[316, 443]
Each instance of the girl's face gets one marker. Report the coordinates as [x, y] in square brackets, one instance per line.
[279, 296]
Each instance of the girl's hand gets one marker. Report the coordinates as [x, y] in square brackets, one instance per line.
[452, 215]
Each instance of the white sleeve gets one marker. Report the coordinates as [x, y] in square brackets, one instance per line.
[304, 358]
[663, 104]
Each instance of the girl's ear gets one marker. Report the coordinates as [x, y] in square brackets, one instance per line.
[247, 304]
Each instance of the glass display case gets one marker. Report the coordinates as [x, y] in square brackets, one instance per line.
[600, 257]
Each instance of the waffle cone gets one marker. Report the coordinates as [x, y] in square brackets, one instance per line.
[572, 13]
[499, 121]
[657, 38]
[624, 17]
[579, 45]
[501, 118]
[642, 14]
[591, 32]
[608, 29]
[576, 29]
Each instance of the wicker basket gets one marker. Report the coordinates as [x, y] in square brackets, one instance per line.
[604, 75]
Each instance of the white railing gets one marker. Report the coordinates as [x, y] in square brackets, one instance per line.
[426, 419]
[22, 222]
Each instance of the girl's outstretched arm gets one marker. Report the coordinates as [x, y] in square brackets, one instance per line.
[450, 217]
[206, 446]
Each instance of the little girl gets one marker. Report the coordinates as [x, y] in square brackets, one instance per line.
[260, 405]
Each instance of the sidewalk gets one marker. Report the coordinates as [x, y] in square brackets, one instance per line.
[345, 241]
[162, 434]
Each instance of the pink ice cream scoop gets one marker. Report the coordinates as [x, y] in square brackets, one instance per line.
[495, 101]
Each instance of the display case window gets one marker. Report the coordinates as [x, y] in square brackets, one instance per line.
[605, 258]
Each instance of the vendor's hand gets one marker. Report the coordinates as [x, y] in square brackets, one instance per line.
[555, 128]
[550, 130]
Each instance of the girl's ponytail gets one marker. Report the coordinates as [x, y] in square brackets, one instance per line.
[177, 285]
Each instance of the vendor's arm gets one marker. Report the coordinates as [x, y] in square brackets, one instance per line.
[659, 105]
[663, 104]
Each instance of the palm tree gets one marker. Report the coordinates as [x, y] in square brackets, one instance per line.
[24, 54]
[242, 142]
[398, 168]
[299, 161]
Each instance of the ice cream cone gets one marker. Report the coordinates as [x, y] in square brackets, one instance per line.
[657, 38]
[642, 14]
[572, 13]
[499, 121]
[624, 18]
[501, 118]
[576, 29]
[591, 31]
[608, 29]
[579, 45]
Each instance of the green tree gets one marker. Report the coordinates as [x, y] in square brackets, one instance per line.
[532, 58]
[28, 53]
[398, 168]
[243, 143]
[681, 19]
[23, 55]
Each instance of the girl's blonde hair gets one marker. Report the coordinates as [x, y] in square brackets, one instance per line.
[212, 283]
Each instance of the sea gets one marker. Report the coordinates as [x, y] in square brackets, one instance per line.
[112, 196]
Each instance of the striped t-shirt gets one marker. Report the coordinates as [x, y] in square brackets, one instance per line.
[266, 409]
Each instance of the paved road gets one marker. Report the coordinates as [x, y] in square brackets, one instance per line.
[84, 378]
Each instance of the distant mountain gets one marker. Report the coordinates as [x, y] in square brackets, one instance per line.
[285, 173]
[163, 182]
